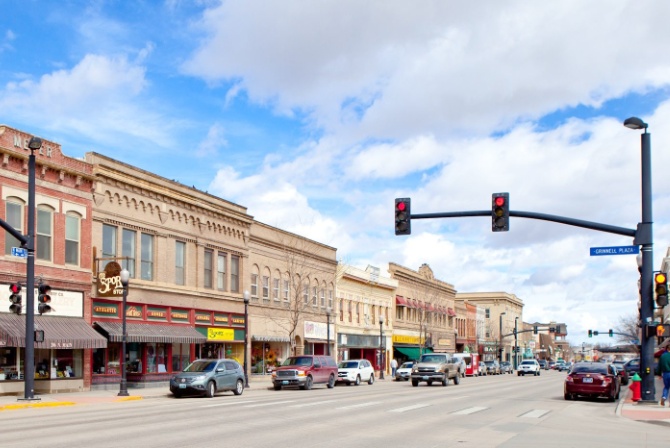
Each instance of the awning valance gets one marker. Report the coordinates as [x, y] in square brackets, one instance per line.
[451, 312]
[413, 353]
[260, 338]
[59, 332]
[399, 300]
[138, 332]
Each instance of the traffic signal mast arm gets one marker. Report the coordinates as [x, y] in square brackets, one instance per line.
[639, 234]
[15, 233]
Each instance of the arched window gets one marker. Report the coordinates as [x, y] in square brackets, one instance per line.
[14, 217]
[45, 226]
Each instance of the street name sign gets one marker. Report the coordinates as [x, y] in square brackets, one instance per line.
[19, 252]
[615, 250]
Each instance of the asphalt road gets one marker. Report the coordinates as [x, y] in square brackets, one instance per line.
[493, 411]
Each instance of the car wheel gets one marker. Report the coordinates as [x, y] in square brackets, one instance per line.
[211, 389]
[371, 381]
[445, 381]
[430, 383]
[331, 382]
[568, 397]
[358, 380]
[457, 380]
[518, 374]
[277, 386]
[239, 387]
[415, 383]
[176, 394]
[309, 382]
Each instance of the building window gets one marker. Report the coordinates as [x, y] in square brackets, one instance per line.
[275, 289]
[179, 261]
[72, 226]
[128, 252]
[349, 306]
[305, 293]
[399, 310]
[108, 241]
[374, 321]
[221, 271]
[330, 299]
[147, 257]
[314, 296]
[287, 290]
[209, 260]
[234, 273]
[341, 310]
[358, 313]
[488, 313]
[266, 287]
[44, 233]
[14, 217]
[254, 285]
[323, 297]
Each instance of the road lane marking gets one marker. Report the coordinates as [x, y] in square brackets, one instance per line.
[270, 404]
[469, 411]
[313, 404]
[537, 413]
[362, 405]
[410, 408]
[228, 404]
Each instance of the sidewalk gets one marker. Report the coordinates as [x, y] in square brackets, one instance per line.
[644, 411]
[13, 402]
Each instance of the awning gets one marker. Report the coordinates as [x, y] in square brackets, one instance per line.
[136, 332]
[59, 332]
[400, 301]
[255, 337]
[412, 353]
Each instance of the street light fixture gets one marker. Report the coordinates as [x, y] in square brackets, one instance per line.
[381, 346]
[500, 350]
[123, 387]
[246, 336]
[644, 237]
[328, 312]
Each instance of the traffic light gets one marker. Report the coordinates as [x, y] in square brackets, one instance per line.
[611, 333]
[403, 216]
[44, 299]
[535, 329]
[595, 333]
[500, 212]
[661, 289]
[590, 333]
[660, 331]
[15, 298]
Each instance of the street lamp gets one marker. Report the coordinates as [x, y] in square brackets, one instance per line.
[516, 344]
[328, 311]
[246, 336]
[644, 237]
[123, 387]
[381, 346]
[500, 351]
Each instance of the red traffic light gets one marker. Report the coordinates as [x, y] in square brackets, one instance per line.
[500, 201]
[15, 288]
[401, 206]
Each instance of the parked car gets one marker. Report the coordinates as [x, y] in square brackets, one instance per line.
[304, 371]
[506, 367]
[621, 373]
[460, 362]
[436, 367]
[404, 371]
[561, 366]
[492, 367]
[482, 369]
[551, 365]
[543, 364]
[594, 379]
[528, 367]
[354, 371]
[207, 377]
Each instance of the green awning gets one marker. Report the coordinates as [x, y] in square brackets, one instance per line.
[413, 353]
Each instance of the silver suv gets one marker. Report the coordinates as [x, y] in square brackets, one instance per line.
[528, 366]
[207, 377]
[436, 367]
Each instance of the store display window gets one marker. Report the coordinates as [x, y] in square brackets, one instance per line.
[54, 364]
[134, 358]
[9, 364]
[181, 356]
[156, 355]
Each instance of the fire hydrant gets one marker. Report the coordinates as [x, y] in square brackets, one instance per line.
[635, 387]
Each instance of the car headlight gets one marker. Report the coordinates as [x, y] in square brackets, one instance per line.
[301, 373]
[274, 374]
[415, 369]
[199, 377]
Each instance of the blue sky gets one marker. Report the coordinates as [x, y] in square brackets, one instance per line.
[316, 115]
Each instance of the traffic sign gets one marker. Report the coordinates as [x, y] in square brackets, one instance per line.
[19, 252]
[615, 250]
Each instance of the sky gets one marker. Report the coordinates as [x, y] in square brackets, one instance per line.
[315, 115]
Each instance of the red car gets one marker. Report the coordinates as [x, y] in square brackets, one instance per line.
[592, 379]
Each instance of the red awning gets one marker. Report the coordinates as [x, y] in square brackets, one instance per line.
[430, 307]
[451, 312]
[399, 300]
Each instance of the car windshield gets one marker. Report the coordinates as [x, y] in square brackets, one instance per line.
[432, 358]
[201, 366]
[407, 365]
[528, 363]
[298, 361]
[489, 363]
[348, 365]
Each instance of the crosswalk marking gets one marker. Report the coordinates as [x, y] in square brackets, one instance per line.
[410, 408]
[469, 411]
[537, 413]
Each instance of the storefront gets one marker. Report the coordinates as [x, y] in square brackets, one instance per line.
[160, 340]
[317, 338]
[60, 360]
[358, 346]
[409, 346]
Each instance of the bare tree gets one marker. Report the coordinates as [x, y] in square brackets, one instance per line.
[629, 330]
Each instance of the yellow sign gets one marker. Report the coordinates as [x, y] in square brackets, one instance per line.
[220, 334]
[402, 339]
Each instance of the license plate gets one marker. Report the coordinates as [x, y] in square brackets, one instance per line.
[425, 378]
[182, 386]
[587, 380]
[284, 382]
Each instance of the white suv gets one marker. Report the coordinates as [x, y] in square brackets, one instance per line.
[528, 366]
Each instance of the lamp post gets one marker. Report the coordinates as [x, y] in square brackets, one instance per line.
[34, 144]
[500, 351]
[516, 344]
[246, 336]
[328, 311]
[123, 387]
[644, 237]
[381, 346]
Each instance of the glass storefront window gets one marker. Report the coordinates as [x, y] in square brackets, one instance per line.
[134, 358]
[9, 369]
[113, 358]
[54, 364]
[156, 358]
[181, 354]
